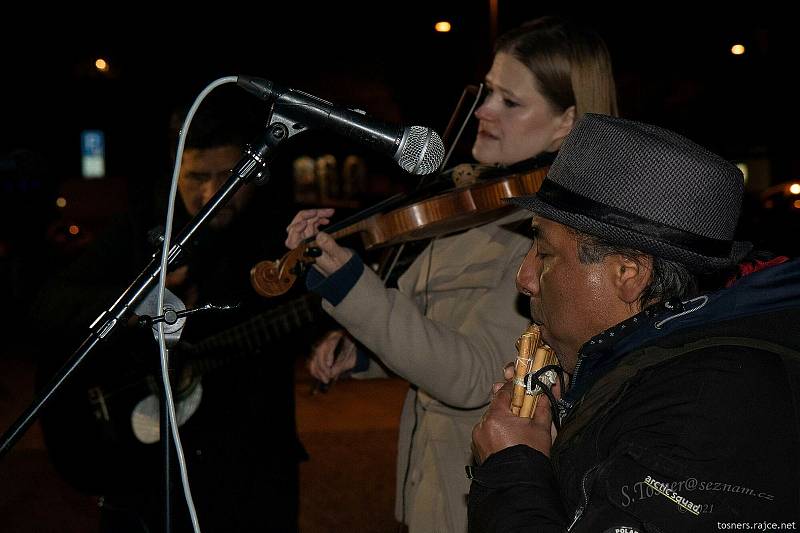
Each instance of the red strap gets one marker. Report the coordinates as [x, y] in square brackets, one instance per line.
[754, 266]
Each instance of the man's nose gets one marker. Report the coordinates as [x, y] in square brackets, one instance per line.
[210, 188]
[528, 275]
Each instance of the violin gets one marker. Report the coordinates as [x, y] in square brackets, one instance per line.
[459, 209]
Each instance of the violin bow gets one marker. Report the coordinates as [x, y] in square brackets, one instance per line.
[473, 92]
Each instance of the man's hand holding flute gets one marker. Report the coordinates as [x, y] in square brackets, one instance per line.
[526, 419]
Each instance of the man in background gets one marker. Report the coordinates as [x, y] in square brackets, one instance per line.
[243, 477]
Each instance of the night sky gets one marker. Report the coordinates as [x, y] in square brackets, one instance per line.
[673, 68]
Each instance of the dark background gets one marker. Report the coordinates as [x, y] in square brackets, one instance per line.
[673, 68]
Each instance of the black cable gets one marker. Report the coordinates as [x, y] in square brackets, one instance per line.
[532, 377]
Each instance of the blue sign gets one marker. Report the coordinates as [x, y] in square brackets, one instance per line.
[93, 154]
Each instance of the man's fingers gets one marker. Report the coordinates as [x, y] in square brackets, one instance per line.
[508, 371]
[507, 388]
[501, 395]
[542, 415]
[557, 389]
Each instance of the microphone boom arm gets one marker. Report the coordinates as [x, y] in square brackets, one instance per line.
[417, 149]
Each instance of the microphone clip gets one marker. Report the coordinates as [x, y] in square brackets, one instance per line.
[172, 315]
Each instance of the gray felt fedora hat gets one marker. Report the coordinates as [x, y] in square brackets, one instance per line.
[646, 188]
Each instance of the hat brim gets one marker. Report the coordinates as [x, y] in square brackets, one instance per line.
[634, 239]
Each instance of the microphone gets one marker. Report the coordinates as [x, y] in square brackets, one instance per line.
[417, 149]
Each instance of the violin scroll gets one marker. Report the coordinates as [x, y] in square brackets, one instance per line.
[273, 278]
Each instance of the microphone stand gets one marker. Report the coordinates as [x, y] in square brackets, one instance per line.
[173, 317]
[252, 166]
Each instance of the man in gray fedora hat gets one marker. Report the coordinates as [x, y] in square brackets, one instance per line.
[679, 405]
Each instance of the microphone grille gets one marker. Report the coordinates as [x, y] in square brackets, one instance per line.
[421, 151]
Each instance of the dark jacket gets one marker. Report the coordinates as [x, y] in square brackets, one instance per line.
[677, 419]
[241, 445]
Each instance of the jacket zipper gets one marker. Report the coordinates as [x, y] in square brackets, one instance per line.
[577, 369]
[582, 507]
[568, 405]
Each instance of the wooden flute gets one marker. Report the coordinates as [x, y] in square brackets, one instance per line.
[532, 355]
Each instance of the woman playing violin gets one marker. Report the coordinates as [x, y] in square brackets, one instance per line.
[450, 326]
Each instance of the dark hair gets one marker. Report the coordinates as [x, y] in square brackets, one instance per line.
[571, 64]
[668, 279]
[227, 116]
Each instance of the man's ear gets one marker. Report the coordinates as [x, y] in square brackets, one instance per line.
[632, 276]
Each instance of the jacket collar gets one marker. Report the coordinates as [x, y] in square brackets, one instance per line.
[771, 289]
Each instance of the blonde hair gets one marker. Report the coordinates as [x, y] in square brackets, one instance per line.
[571, 64]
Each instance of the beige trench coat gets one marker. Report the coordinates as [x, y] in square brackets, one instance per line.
[448, 330]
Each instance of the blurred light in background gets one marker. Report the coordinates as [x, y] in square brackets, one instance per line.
[745, 170]
[737, 49]
[442, 27]
[101, 64]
